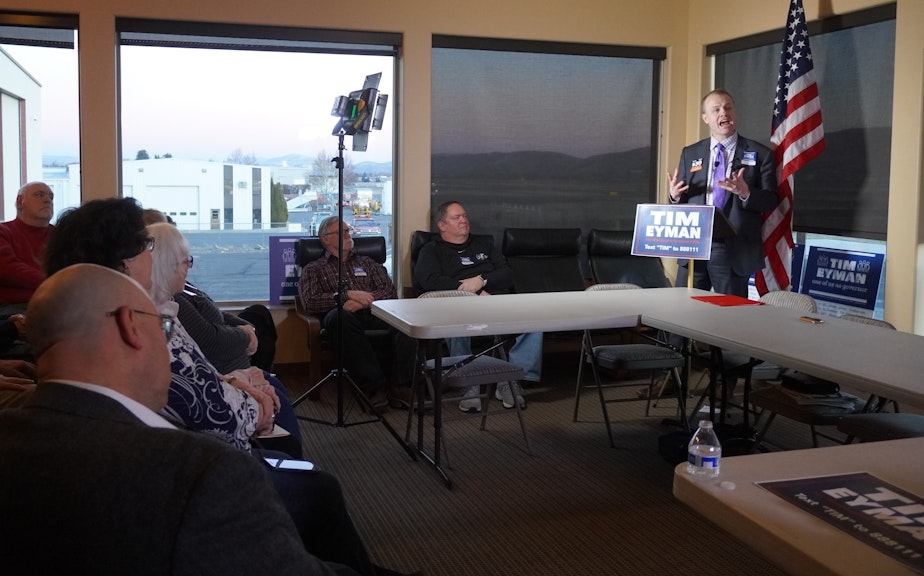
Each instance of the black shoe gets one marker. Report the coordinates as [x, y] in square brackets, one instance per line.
[378, 400]
[399, 397]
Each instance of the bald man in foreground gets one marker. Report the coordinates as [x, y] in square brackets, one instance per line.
[93, 480]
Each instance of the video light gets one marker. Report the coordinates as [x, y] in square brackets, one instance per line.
[363, 110]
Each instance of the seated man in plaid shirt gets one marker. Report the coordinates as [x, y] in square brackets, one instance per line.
[365, 281]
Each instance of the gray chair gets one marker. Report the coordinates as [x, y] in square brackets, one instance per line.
[877, 425]
[457, 373]
[788, 398]
[619, 358]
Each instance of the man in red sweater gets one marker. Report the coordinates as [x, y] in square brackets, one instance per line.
[22, 243]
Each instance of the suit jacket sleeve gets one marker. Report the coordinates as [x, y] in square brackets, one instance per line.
[694, 172]
[761, 179]
[254, 536]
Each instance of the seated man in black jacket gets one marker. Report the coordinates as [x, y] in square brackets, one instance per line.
[459, 260]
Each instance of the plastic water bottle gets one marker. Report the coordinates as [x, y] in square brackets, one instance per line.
[704, 451]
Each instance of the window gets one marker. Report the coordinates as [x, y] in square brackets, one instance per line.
[228, 123]
[843, 191]
[39, 121]
[840, 198]
[535, 134]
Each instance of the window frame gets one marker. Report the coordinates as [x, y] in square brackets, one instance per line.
[219, 36]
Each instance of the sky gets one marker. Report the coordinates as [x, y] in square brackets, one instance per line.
[55, 69]
[205, 104]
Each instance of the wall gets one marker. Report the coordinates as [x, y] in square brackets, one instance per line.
[684, 27]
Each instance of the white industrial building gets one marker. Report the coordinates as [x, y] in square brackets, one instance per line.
[201, 195]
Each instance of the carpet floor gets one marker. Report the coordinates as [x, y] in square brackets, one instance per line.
[573, 506]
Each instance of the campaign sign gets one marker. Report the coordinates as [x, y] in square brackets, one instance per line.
[871, 510]
[844, 279]
[798, 262]
[283, 271]
[673, 231]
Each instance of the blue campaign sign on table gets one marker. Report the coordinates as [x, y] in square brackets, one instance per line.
[847, 279]
[283, 271]
[673, 231]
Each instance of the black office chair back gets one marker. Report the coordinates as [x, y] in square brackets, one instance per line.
[611, 261]
[418, 239]
[310, 249]
[544, 259]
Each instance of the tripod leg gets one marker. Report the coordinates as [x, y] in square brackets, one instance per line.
[321, 382]
[361, 396]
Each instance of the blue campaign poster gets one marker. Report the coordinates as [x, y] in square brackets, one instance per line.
[842, 281]
[283, 271]
[798, 262]
[673, 231]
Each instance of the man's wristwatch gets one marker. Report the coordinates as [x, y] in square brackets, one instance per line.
[484, 281]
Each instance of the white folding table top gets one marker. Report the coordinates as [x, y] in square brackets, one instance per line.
[792, 538]
[433, 318]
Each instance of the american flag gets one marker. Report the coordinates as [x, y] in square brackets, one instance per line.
[796, 137]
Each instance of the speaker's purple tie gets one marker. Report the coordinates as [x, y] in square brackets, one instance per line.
[718, 193]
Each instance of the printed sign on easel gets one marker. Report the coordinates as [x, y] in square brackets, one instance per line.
[677, 230]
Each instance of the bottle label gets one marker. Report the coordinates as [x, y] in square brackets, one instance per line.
[703, 461]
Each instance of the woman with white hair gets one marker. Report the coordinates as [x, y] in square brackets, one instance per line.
[244, 403]
[168, 277]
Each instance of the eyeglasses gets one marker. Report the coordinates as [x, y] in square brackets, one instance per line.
[167, 322]
[188, 261]
[344, 231]
[149, 243]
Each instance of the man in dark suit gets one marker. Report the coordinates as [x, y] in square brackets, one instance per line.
[92, 479]
[736, 175]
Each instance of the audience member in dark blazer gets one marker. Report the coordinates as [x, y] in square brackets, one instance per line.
[750, 188]
[92, 479]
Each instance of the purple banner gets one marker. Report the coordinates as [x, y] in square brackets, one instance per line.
[283, 271]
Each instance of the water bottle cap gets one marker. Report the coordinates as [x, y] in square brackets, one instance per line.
[705, 424]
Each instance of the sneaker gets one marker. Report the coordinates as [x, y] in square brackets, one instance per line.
[505, 393]
[471, 403]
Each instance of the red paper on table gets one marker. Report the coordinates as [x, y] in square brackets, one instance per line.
[727, 300]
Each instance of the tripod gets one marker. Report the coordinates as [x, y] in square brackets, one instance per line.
[339, 374]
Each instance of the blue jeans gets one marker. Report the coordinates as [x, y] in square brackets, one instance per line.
[526, 353]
